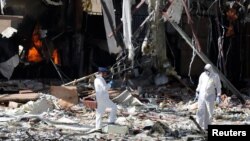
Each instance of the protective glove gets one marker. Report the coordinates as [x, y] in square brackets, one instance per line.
[111, 84]
[196, 96]
[218, 99]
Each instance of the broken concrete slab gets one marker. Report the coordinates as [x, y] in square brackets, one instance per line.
[122, 121]
[126, 98]
[115, 129]
[13, 104]
[61, 123]
[143, 137]
[9, 21]
[6, 119]
[8, 32]
[67, 95]
[40, 106]
[148, 122]
[34, 108]
[151, 107]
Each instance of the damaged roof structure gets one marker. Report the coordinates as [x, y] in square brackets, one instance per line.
[154, 49]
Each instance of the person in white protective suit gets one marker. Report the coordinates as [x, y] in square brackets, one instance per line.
[102, 98]
[208, 90]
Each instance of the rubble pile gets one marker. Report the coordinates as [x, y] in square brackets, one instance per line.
[156, 113]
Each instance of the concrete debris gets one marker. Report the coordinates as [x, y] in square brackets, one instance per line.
[164, 116]
[8, 32]
[126, 98]
[7, 67]
[195, 137]
[159, 128]
[6, 119]
[115, 129]
[40, 106]
[31, 107]
[13, 104]
[76, 127]
[126, 111]
[148, 122]
[144, 137]
[151, 107]
[122, 121]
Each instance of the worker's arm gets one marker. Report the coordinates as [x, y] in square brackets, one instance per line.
[104, 85]
[199, 84]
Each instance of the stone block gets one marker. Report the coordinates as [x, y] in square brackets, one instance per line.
[13, 104]
[115, 129]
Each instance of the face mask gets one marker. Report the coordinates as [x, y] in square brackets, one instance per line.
[207, 72]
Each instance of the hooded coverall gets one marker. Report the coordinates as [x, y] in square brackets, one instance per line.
[103, 101]
[209, 85]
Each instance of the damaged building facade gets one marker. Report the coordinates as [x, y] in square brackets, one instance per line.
[76, 35]
[154, 49]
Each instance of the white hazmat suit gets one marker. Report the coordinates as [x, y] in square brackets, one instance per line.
[103, 101]
[209, 86]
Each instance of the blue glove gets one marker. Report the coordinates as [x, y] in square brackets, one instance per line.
[218, 100]
[111, 84]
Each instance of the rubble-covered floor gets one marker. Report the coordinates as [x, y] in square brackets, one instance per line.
[164, 114]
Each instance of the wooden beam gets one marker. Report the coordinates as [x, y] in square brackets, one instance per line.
[204, 58]
[19, 97]
[80, 79]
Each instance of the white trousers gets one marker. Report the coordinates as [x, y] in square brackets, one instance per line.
[101, 107]
[205, 110]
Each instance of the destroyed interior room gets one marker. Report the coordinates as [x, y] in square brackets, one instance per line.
[124, 69]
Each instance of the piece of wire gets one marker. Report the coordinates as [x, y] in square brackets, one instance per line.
[190, 64]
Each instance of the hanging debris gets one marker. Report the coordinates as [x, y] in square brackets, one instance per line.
[127, 28]
[110, 25]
